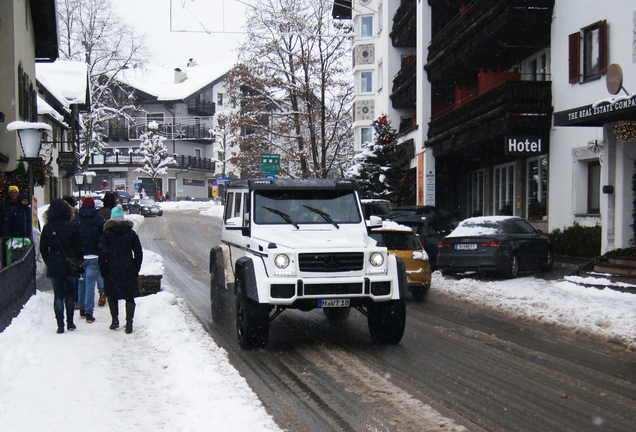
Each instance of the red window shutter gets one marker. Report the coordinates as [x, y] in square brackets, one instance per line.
[602, 47]
[574, 57]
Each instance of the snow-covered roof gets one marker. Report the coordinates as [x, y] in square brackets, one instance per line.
[45, 109]
[66, 80]
[159, 81]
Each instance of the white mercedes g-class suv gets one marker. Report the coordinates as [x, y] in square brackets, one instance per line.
[303, 244]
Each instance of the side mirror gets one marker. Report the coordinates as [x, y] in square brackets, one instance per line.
[374, 222]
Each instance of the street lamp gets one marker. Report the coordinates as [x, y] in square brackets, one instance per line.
[31, 135]
[79, 181]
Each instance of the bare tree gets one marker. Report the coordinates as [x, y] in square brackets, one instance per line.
[90, 31]
[294, 87]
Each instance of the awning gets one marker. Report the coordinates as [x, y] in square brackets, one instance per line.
[599, 113]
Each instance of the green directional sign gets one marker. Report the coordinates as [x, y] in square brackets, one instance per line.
[270, 164]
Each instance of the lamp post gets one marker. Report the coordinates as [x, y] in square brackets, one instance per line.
[31, 135]
[79, 181]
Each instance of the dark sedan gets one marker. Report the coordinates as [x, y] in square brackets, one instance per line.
[145, 207]
[505, 244]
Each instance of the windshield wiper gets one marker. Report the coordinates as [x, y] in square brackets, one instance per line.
[323, 214]
[285, 216]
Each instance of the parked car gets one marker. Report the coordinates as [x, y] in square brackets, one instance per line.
[145, 207]
[401, 241]
[122, 198]
[376, 207]
[412, 212]
[505, 244]
[430, 232]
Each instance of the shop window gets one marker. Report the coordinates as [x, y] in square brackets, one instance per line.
[504, 189]
[593, 42]
[476, 192]
[537, 184]
[594, 187]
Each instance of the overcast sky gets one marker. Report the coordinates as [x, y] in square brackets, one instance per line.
[189, 21]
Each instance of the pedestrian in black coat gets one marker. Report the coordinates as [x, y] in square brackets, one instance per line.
[18, 222]
[110, 201]
[120, 260]
[60, 239]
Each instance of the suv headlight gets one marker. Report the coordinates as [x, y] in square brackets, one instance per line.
[376, 259]
[281, 261]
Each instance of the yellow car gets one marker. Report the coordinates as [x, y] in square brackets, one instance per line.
[401, 241]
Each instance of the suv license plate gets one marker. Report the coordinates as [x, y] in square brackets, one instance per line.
[333, 303]
[468, 246]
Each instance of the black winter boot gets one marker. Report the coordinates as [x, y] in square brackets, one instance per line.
[114, 313]
[130, 313]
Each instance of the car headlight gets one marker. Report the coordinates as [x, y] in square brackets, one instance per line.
[145, 208]
[281, 261]
[376, 259]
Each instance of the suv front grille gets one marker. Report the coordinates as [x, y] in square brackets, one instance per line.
[330, 262]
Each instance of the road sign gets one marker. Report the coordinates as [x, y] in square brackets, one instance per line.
[104, 184]
[223, 180]
[270, 163]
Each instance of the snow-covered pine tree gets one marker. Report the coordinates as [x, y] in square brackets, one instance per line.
[373, 163]
[155, 155]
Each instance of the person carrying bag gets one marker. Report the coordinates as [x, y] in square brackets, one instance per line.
[58, 265]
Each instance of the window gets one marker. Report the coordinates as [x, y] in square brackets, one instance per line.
[197, 153]
[156, 117]
[594, 40]
[219, 99]
[228, 206]
[504, 189]
[537, 181]
[594, 187]
[366, 26]
[366, 136]
[476, 192]
[366, 82]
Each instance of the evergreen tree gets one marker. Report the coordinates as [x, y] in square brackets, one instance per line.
[382, 169]
[154, 154]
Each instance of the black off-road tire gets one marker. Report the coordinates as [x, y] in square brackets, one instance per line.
[337, 314]
[252, 320]
[387, 321]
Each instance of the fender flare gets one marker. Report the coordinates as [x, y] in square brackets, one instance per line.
[401, 273]
[245, 272]
[217, 267]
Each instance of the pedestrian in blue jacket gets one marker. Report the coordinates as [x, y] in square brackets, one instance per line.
[90, 226]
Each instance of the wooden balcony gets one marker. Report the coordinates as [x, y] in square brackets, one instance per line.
[403, 94]
[513, 107]
[404, 31]
[488, 34]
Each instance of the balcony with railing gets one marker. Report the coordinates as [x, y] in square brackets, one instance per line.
[403, 94]
[488, 33]
[502, 104]
[404, 31]
[111, 159]
[172, 128]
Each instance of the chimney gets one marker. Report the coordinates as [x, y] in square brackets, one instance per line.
[179, 76]
[192, 62]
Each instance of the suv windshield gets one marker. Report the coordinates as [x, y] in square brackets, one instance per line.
[306, 207]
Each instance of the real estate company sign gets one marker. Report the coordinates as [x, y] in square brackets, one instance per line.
[525, 145]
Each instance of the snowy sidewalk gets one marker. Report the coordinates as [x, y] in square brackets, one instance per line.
[167, 375]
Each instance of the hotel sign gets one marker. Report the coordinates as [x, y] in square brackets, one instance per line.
[525, 145]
